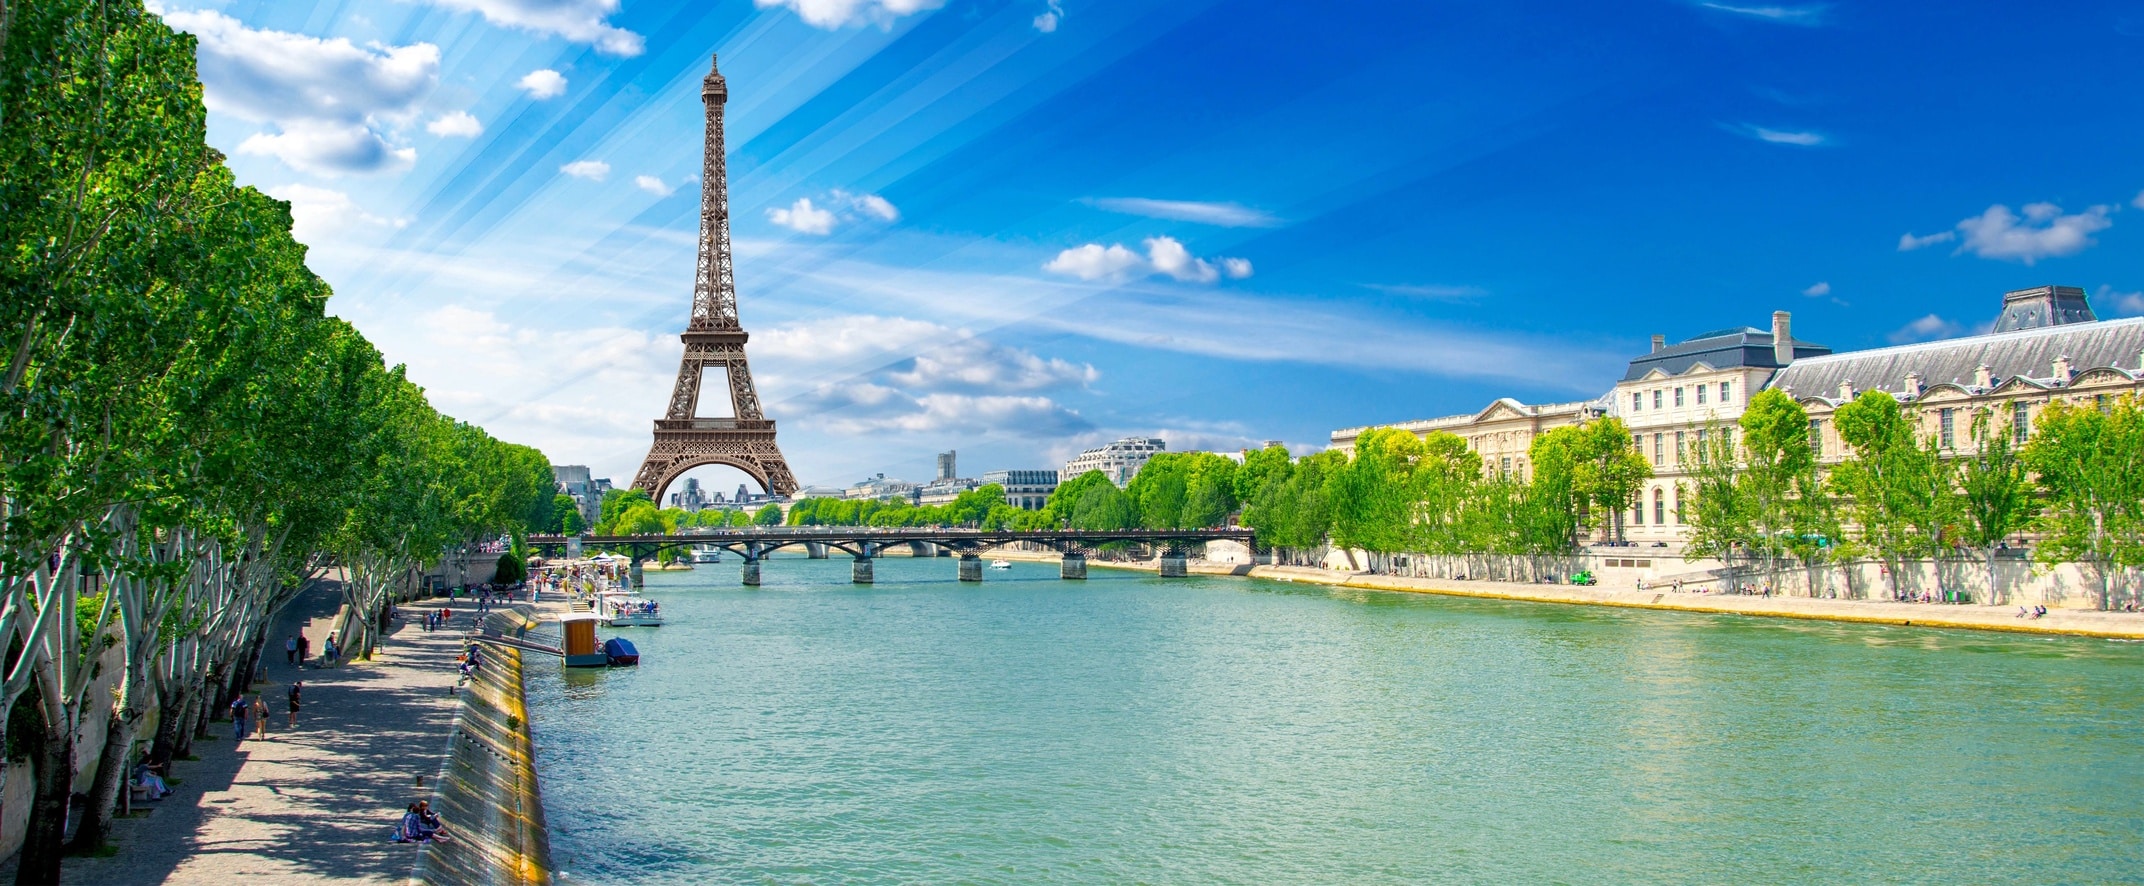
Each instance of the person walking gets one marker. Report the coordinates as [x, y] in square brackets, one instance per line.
[290, 650]
[328, 652]
[239, 707]
[260, 716]
[305, 650]
[296, 686]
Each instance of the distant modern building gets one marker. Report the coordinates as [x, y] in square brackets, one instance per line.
[1027, 490]
[1120, 460]
[2046, 345]
[946, 466]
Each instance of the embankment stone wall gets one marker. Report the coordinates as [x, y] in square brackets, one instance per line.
[487, 792]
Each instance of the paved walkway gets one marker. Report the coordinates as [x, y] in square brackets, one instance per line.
[312, 805]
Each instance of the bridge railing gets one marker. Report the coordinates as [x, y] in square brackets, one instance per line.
[713, 424]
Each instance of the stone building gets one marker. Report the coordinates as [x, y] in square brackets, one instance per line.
[1120, 460]
[2046, 344]
[1027, 490]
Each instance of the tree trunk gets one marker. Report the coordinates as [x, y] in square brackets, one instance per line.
[104, 792]
[52, 759]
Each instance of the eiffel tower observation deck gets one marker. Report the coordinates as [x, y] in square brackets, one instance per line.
[714, 349]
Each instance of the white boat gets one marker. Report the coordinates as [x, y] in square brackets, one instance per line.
[622, 610]
[706, 555]
[1001, 564]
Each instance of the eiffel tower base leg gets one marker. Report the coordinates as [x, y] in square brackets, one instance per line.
[860, 571]
[751, 573]
[971, 567]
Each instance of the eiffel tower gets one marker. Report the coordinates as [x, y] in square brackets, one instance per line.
[714, 339]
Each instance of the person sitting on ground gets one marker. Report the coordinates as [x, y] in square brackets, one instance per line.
[412, 828]
[2022, 612]
[145, 775]
[430, 819]
[2039, 611]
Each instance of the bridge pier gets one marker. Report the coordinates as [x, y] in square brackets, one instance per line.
[640, 578]
[1174, 565]
[751, 572]
[971, 566]
[815, 550]
[860, 571]
[1073, 566]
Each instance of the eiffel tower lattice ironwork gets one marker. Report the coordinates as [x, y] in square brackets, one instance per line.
[714, 339]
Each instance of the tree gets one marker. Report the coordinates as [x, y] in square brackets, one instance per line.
[562, 505]
[2090, 467]
[1608, 470]
[1997, 495]
[509, 569]
[770, 515]
[1104, 507]
[1900, 488]
[1778, 479]
[1065, 498]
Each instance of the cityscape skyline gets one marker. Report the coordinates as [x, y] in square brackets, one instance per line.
[1022, 230]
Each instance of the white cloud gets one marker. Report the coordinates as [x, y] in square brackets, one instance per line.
[1789, 15]
[1227, 215]
[2128, 304]
[542, 83]
[2042, 232]
[1908, 243]
[974, 364]
[1798, 138]
[592, 170]
[326, 99]
[317, 212]
[653, 185]
[2139, 201]
[579, 21]
[1927, 328]
[1818, 289]
[1164, 255]
[455, 124]
[1048, 21]
[833, 14]
[803, 218]
[875, 409]
[329, 149]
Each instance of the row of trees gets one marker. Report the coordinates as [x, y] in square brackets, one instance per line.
[185, 436]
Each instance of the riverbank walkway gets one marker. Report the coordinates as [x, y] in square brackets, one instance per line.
[2070, 622]
[316, 804]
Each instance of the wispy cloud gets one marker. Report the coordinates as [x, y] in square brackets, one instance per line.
[2127, 304]
[1807, 16]
[592, 170]
[838, 207]
[579, 21]
[653, 185]
[1928, 328]
[1430, 291]
[835, 14]
[1227, 215]
[1048, 21]
[1164, 256]
[1798, 138]
[803, 218]
[1818, 290]
[2043, 231]
[456, 124]
[1908, 242]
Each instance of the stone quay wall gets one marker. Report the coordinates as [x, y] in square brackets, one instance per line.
[487, 792]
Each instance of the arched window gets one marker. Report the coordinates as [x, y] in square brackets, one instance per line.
[1660, 507]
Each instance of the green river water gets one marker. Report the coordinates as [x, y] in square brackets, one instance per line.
[1128, 729]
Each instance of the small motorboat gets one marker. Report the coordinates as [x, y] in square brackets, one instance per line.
[620, 652]
[1001, 564]
[622, 610]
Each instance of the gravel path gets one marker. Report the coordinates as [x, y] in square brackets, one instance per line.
[315, 804]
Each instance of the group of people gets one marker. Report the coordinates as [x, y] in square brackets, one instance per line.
[420, 825]
[298, 650]
[251, 711]
[438, 619]
[2032, 612]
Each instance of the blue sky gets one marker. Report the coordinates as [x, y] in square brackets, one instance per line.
[1022, 227]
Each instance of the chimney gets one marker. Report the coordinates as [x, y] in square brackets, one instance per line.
[1782, 339]
[1846, 390]
[1913, 384]
[1983, 377]
[2062, 369]
[1660, 343]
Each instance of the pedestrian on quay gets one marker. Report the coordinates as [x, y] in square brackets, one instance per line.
[239, 707]
[296, 686]
[305, 650]
[290, 650]
[260, 716]
[328, 657]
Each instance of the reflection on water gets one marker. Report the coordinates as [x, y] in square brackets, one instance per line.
[1203, 730]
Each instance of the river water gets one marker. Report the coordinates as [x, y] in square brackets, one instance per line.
[1127, 729]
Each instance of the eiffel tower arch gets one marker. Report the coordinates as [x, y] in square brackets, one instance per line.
[714, 340]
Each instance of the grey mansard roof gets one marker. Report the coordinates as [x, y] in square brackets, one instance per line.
[1719, 349]
[2029, 354]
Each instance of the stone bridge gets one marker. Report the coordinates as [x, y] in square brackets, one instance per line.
[865, 544]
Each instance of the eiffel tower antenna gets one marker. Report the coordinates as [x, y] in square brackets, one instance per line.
[714, 340]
